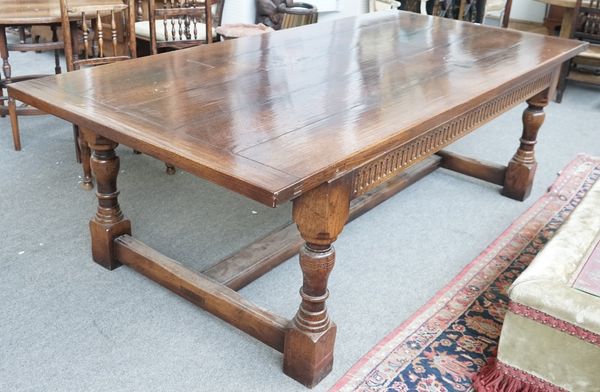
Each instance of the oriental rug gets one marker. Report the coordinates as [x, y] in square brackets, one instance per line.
[443, 345]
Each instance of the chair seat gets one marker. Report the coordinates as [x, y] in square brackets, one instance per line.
[494, 6]
[592, 52]
[142, 30]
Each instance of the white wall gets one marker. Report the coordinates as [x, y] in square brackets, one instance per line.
[530, 10]
[239, 11]
[346, 8]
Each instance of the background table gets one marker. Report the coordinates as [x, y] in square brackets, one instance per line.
[568, 7]
[335, 117]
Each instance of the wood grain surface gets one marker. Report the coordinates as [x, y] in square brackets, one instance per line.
[276, 115]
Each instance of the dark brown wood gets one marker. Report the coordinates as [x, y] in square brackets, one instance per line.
[486, 171]
[553, 18]
[506, 15]
[204, 292]
[258, 258]
[263, 145]
[12, 110]
[89, 17]
[521, 169]
[320, 216]
[109, 221]
[86, 154]
[251, 121]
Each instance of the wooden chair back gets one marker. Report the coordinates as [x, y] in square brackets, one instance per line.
[586, 23]
[88, 41]
[179, 24]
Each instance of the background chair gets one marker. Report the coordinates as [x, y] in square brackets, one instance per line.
[83, 34]
[27, 42]
[585, 27]
[179, 24]
[86, 45]
[298, 14]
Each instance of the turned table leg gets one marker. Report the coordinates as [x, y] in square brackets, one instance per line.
[109, 222]
[320, 216]
[518, 180]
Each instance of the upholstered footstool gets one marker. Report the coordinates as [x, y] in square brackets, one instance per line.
[550, 339]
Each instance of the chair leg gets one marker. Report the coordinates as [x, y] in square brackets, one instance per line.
[87, 182]
[57, 69]
[562, 81]
[170, 169]
[14, 123]
[2, 104]
[76, 140]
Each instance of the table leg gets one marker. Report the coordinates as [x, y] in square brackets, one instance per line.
[521, 169]
[567, 22]
[566, 30]
[320, 216]
[109, 221]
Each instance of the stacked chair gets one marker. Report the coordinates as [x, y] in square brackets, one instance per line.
[585, 27]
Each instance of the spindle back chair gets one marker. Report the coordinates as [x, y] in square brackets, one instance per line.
[84, 36]
[178, 24]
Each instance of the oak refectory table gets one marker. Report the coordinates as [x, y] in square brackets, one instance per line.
[332, 116]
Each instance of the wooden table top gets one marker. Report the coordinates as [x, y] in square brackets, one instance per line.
[560, 3]
[24, 12]
[275, 115]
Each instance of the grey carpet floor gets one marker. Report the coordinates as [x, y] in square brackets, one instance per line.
[66, 324]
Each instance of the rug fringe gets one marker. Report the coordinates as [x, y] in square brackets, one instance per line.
[492, 378]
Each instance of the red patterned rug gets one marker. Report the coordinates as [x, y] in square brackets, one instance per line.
[443, 345]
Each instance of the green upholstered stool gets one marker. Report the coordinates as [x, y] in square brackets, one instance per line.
[550, 339]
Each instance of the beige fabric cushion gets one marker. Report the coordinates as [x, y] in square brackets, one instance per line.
[142, 29]
[546, 285]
